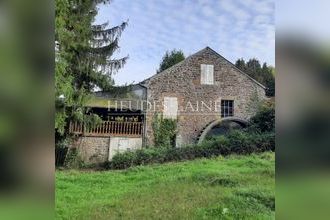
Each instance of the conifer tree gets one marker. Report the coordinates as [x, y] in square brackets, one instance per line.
[83, 58]
[264, 74]
[240, 64]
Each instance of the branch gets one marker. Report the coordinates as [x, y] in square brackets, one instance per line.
[107, 50]
[109, 34]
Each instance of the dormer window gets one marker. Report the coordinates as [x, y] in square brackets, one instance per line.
[207, 77]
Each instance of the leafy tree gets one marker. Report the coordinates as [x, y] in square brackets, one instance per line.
[170, 59]
[83, 58]
[263, 74]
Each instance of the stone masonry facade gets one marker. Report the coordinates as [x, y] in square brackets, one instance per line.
[92, 150]
[183, 81]
[95, 150]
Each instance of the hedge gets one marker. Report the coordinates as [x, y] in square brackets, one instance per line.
[237, 142]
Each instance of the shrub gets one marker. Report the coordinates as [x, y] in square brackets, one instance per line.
[264, 120]
[236, 142]
[164, 131]
[123, 161]
[72, 159]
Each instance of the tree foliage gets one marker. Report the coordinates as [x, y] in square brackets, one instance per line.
[263, 74]
[83, 58]
[170, 59]
[164, 131]
[264, 120]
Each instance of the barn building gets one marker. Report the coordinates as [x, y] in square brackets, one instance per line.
[200, 93]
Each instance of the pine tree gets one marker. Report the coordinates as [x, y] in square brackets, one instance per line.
[269, 79]
[253, 67]
[240, 64]
[263, 74]
[83, 58]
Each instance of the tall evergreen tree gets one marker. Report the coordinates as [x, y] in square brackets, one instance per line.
[253, 68]
[83, 58]
[240, 64]
[263, 74]
[269, 79]
[253, 65]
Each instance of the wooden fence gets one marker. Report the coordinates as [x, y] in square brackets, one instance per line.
[109, 128]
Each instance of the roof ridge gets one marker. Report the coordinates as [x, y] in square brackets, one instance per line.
[206, 48]
[171, 67]
[235, 67]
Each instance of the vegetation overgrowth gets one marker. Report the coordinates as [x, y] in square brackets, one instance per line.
[259, 136]
[237, 142]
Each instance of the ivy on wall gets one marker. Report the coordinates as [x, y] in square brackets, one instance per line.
[164, 131]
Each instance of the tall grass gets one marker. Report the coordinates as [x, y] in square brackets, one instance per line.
[234, 187]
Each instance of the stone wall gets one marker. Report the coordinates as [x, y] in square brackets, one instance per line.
[93, 150]
[183, 81]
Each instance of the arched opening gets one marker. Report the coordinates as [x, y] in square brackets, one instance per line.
[221, 127]
[224, 128]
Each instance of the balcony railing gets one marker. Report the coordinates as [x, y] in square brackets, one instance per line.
[109, 128]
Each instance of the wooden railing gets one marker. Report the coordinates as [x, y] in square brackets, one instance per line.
[109, 128]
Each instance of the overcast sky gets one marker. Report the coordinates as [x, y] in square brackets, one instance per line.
[233, 28]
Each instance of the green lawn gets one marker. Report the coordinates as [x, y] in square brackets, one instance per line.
[235, 187]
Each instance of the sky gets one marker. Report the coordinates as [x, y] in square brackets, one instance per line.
[310, 19]
[233, 28]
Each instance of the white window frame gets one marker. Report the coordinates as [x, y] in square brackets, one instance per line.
[207, 74]
[170, 107]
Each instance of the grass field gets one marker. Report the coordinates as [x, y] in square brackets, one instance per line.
[235, 187]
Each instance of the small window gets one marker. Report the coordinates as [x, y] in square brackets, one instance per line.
[170, 107]
[227, 108]
[207, 77]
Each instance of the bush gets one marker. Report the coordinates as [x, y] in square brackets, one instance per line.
[264, 120]
[258, 137]
[236, 142]
[164, 131]
[72, 159]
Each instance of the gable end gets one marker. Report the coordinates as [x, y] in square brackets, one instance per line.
[145, 82]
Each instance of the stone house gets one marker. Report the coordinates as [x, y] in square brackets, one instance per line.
[200, 92]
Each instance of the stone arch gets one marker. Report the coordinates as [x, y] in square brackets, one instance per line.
[209, 127]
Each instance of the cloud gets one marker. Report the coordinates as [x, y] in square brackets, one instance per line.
[234, 28]
[233, 9]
